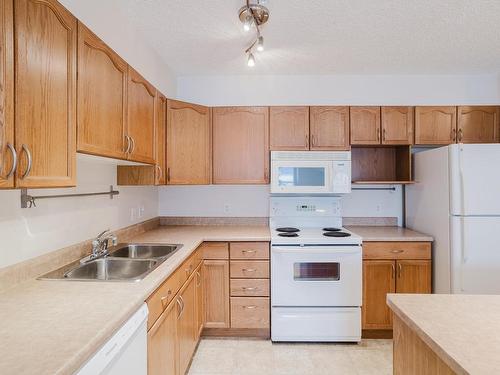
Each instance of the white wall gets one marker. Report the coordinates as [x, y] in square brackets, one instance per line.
[340, 90]
[253, 201]
[56, 223]
[110, 22]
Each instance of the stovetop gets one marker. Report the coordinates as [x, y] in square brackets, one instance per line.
[310, 236]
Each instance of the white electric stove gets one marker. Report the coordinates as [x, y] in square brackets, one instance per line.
[316, 272]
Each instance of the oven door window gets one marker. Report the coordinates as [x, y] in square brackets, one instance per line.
[301, 176]
[324, 271]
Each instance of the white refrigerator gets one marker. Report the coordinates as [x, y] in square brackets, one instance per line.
[456, 199]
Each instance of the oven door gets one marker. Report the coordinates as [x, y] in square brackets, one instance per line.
[301, 176]
[316, 276]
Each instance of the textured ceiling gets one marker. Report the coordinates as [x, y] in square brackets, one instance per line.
[205, 37]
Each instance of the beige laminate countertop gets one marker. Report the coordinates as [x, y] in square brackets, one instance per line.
[463, 330]
[53, 327]
[388, 233]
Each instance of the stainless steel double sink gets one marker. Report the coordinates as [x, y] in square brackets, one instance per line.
[125, 262]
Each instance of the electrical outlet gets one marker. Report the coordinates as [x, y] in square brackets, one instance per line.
[227, 208]
[140, 211]
[133, 214]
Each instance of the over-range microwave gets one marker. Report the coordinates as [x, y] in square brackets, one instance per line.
[310, 172]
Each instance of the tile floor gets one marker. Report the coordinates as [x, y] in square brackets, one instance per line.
[260, 357]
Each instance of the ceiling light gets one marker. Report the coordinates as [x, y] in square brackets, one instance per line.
[247, 24]
[260, 43]
[251, 60]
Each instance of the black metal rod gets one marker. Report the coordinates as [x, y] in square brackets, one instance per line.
[375, 188]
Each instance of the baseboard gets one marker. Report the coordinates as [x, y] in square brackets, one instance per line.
[377, 334]
[263, 333]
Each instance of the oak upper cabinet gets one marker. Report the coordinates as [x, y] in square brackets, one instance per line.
[102, 98]
[478, 124]
[378, 280]
[397, 125]
[240, 145]
[365, 125]
[216, 293]
[188, 144]
[435, 125]
[162, 342]
[7, 152]
[187, 328]
[45, 94]
[413, 276]
[141, 118]
[289, 128]
[160, 140]
[329, 128]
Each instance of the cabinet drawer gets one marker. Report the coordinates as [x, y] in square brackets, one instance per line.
[159, 300]
[249, 287]
[214, 250]
[252, 269]
[249, 250]
[396, 250]
[250, 312]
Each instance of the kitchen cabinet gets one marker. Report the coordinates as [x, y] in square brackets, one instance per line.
[392, 267]
[102, 98]
[200, 306]
[188, 144]
[141, 118]
[7, 152]
[45, 94]
[365, 125]
[329, 128]
[160, 140]
[435, 125]
[162, 342]
[397, 125]
[478, 124]
[216, 293]
[187, 327]
[240, 145]
[289, 128]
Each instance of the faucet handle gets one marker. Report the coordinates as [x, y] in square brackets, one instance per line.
[102, 234]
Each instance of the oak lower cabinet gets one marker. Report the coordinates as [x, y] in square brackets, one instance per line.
[240, 145]
[216, 293]
[392, 267]
[45, 93]
[478, 124]
[187, 327]
[289, 128]
[200, 304]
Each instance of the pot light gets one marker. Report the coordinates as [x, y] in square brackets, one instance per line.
[260, 43]
[251, 60]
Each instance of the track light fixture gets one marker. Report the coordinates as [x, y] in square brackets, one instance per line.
[254, 15]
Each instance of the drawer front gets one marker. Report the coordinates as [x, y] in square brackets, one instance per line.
[159, 300]
[249, 269]
[250, 312]
[396, 250]
[190, 264]
[215, 250]
[249, 250]
[249, 288]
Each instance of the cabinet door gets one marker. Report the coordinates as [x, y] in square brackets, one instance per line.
[162, 342]
[397, 125]
[413, 276]
[102, 97]
[478, 124]
[241, 145]
[187, 324]
[289, 128]
[365, 125]
[188, 144]
[378, 280]
[330, 128]
[435, 125]
[199, 299]
[45, 95]
[7, 152]
[216, 293]
[141, 118]
[160, 138]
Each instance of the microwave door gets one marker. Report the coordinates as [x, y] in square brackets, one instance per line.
[301, 177]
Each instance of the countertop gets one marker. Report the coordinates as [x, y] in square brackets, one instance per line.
[53, 327]
[463, 330]
[385, 233]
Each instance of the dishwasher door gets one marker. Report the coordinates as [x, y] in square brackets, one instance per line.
[125, 353]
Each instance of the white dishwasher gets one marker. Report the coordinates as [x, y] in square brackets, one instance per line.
[125, 353]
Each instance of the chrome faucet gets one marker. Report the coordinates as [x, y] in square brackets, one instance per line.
[101, 244]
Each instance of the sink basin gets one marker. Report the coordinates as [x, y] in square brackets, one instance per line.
[144, 251]
[112, 269]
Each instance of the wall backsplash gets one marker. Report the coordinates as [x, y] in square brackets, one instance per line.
[57, 223]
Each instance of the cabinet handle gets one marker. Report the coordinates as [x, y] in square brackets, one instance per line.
[168, 174]
[378, 134]
[127, 150]
[249, 288]
[189, 269]
[383, 135]
[250, 307]
[307, 139]
[397, 251]
[14, 161]
[454, 135]
[248, 269]
[400, 270]
[160, 172]
[133, 144]
[248, 251]
[460, 135]
[164, 298]
[198, 276]
[28, 168]
[179, 304]
[393, 274]
[313, 141]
